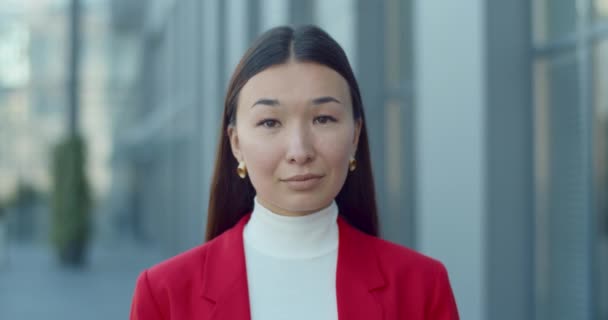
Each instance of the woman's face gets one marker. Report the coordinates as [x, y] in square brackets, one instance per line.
[295, 119]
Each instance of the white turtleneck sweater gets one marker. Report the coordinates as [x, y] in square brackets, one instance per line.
[291, 264]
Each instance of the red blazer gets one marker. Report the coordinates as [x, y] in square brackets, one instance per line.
[375, 279]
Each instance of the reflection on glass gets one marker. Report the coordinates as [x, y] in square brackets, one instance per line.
[600, 9]
[14, 63]
[563, 257]
[541, 183]
[394, 162]
[553, 19]
[398, 122]
[600, 147]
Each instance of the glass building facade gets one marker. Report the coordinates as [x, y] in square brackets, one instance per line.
[487, 122]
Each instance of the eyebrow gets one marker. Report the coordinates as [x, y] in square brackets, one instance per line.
[316, 101]
[266, 102]
[325, 99]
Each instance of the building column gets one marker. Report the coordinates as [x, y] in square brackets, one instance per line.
[474, 133]
[450, 146]
[510, 217]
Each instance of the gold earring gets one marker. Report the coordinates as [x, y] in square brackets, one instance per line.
[352, 164]
[241, 170]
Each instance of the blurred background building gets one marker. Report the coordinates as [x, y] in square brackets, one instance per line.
[487, 122]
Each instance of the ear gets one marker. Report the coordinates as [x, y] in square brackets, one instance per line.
[234, 142]
[358, 127]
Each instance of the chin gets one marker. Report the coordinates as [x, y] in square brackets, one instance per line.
[307, 202]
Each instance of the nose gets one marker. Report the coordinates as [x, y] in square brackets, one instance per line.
[300, 146]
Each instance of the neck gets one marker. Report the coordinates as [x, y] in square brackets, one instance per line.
[280, 211]
[305, 236]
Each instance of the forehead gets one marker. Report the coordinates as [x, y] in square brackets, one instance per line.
[295, 82]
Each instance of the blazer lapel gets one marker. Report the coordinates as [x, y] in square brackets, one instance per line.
[225, 279]
[358, 276]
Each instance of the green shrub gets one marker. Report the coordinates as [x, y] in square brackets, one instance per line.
[3, 210]
[71, 202]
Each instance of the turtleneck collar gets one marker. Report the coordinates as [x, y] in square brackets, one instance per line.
[290, 237]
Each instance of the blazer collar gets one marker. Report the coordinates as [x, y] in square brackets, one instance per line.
[225, 277]
[358, 275]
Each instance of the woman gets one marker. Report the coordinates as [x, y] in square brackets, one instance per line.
[292, 223]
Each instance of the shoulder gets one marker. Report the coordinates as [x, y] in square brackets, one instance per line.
[166, 281]
[403, 256]
[166, 288]
[398, 261]
[412, 281]
[399, 256]
[183, 269]
[418, 279]
[181, 264]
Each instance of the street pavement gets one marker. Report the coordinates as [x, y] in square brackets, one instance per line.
[34, 286]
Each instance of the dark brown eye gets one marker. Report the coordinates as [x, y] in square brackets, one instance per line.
[325, 119]
[268, 123]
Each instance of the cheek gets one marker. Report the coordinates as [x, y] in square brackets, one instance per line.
[262, 159]
[336, 148]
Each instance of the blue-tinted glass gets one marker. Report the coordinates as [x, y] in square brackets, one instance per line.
[600, 151]
[553, 19]
[563, 247]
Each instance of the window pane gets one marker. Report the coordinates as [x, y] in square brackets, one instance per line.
[600, 9]
[600, 146]
[341, 26]
[398, 123]
[563, 210]
[553, 19]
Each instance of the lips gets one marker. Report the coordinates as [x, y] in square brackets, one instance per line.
[303, 183]
[303, 177]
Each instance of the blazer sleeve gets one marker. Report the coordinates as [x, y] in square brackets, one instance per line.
[144, 305]
[443, 306]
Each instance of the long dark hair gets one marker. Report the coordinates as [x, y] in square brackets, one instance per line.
[232, 197]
